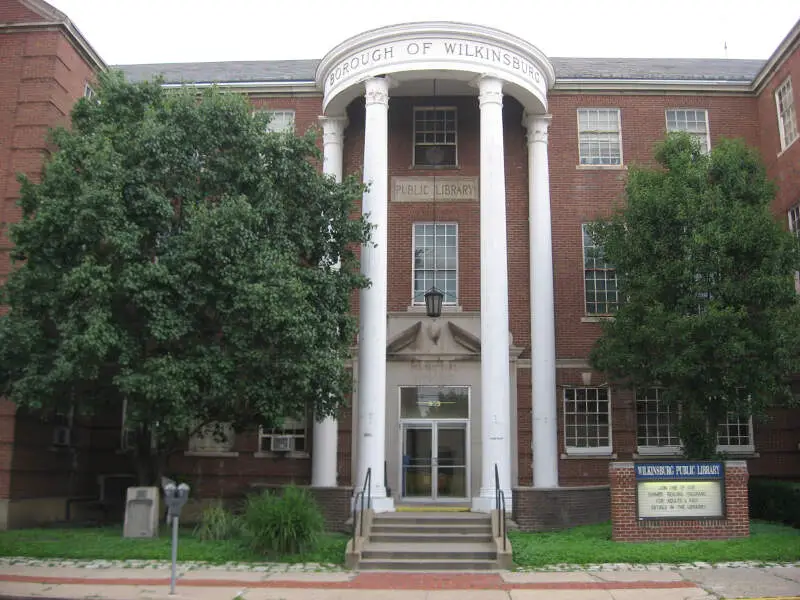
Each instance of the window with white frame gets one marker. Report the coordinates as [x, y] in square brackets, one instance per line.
[587, 420]
[794, 227]
[600, 278]
[88, 92]
[599, 136]
[656, 423]
[436, 260]
[794, 220]
[435, 136]
[693, 121]
[787, 118]
[290, 437]
[735, 434]
[280, 120]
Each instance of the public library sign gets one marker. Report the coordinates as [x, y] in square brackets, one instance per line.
[439, 188]
[688, 490]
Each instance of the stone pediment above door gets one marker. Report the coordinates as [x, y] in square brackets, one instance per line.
[450, 337]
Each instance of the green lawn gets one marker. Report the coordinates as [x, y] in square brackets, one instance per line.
[591, 544]
[108, 543]
[581, 545]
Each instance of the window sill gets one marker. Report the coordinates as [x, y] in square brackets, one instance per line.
[455, 167]
[739, 453]
[281, 455]
[211, 453]
[601, 167]
[589, 455]
[597, 319]
[658, 453]
[787, 147]
[446, 308]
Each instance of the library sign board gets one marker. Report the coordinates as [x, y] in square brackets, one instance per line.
[680, 490]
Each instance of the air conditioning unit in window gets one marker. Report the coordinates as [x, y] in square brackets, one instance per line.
[61, 436]
[281, 443]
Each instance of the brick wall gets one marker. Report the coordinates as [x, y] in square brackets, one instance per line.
[627, 528]
[783, 166]
[560, 508]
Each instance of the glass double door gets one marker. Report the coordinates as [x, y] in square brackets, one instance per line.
[435, 465]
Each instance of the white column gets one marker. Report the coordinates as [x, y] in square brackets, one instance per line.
[495, 385]
[323, 460]
[371, 446]
[543, 338]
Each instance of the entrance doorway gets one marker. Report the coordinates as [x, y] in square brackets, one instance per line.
[434, 443]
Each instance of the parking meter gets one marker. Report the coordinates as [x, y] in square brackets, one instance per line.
[175, 497]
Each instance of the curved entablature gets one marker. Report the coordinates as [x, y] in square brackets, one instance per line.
[454, 51]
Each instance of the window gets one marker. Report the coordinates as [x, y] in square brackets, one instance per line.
[290, 437]
[214, 438]
[436, 260]
[656, 423]
[794, 227]
[88, 92]
[692, 121]
[735, 434]
[280, 120]
[600, 279]
[794, 220]
[599, 138]
[435, 137]
[587, 420]
[787, 119]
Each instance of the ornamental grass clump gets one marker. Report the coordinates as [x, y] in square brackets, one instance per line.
[218, 524]
[286, 522]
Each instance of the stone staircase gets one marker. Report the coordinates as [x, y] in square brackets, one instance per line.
[430, 541]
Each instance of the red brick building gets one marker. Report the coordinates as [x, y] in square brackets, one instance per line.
[486, 158]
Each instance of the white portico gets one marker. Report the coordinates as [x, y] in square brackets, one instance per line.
[453, 59]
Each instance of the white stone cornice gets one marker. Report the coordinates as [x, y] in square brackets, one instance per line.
[537, 127]
[424, 50]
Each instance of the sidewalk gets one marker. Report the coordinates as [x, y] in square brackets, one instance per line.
[21, 581]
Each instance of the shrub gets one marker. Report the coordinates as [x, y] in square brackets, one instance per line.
[287, 522]
[217, 524]
[775, 500]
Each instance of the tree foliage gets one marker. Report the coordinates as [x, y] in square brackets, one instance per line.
[179, 259]
[710, 312]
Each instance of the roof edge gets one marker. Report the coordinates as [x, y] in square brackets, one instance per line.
[52, 17]
[784, 49]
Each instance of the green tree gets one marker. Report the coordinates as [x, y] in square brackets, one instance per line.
[710, 312]
[178, 259]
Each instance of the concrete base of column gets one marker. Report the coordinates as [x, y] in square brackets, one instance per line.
[379, 505]
[487, 501]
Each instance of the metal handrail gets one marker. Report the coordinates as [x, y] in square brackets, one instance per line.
[500, 506]
[366, 492]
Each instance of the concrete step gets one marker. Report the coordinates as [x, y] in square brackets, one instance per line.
[421, 518]
[447, 564]
[423, 552]
[431, 528]
[424, 536]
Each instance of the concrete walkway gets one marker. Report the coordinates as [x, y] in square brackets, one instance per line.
[62, 583]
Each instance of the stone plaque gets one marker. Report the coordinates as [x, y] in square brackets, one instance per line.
[141, 512]
[441, 188]
[679, 490]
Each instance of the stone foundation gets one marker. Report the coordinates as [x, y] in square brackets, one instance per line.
[551, 509]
